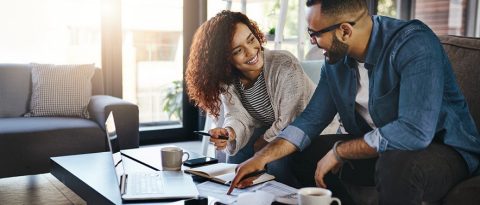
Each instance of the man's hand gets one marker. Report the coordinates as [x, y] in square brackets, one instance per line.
[221, 144]
[259, 144]
[251, 165]
[326, 164]
[274, 150]
[352, 149]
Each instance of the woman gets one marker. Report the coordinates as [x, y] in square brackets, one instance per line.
[262, 91]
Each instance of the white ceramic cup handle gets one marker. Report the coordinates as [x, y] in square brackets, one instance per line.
[337, 200]
[188, 156]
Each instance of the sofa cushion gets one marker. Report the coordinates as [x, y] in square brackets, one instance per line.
[23, 125]
[27, 143]
[467, 192]
[15, 86]
[312, 69]
[61, 90]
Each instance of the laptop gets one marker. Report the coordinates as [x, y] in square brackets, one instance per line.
[147, 185]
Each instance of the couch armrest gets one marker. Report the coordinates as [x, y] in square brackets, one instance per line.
[126, 118]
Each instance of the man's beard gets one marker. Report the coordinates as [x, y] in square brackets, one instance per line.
[337, 51]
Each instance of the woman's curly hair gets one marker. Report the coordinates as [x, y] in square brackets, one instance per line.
[210, 71]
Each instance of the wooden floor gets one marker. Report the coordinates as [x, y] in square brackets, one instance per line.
[46, 189]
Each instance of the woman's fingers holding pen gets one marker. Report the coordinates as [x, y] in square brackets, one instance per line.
[218, 133]
[226, 133]
[215, 138]
[230, 133]
[220, 144]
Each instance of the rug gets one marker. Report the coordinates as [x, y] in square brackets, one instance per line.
[37, 190]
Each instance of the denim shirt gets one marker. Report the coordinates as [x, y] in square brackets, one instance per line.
[413, 95]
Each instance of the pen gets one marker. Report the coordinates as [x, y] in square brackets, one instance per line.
[208, 134]
[140, 162]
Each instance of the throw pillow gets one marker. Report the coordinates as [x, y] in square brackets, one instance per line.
[61, 90]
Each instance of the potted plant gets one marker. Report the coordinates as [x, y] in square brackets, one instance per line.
[271, 34]
[172, 103]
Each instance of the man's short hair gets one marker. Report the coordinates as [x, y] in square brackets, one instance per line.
[336, 8]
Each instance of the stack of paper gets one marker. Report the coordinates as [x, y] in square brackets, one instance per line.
[283, 193]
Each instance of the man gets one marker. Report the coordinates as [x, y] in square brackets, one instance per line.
[394, 89]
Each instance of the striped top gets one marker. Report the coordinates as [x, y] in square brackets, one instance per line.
[257, 101]
[289, 90]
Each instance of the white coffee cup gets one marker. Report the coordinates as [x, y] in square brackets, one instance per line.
[172, 158]
[316, 196]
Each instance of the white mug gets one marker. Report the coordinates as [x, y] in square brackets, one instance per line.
[316, 196]
[172, 158]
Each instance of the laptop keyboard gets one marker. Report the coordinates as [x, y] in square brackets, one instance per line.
[145, 183]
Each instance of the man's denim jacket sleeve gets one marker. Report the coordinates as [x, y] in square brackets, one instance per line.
[319, 112]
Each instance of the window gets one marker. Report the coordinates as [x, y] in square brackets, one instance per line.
[477, 18]
[267, 13]
[387, 8]
[152, 59]
[50, 31]
[138, 43]
[443, 16]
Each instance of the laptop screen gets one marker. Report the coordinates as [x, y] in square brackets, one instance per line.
[114, 146]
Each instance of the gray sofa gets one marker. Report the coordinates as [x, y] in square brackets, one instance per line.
[27, 143]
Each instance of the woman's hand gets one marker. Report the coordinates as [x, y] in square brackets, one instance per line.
[259, 144]
[221, 144]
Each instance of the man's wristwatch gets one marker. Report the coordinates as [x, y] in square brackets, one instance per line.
[334, 149]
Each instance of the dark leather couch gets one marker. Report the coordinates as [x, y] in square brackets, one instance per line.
[464, 54]
[27, 143]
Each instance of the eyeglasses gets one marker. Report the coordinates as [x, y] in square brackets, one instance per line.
[314, 34]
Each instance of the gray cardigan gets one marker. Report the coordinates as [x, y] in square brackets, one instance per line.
[289, 90]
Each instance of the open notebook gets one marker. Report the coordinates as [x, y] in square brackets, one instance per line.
[224, 173]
